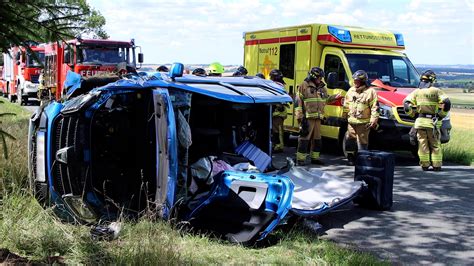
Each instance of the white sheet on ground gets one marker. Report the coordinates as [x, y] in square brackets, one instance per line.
[314, 187]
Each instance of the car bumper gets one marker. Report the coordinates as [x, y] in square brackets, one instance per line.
[391, 135]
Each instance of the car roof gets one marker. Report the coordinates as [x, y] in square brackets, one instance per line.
[233, 89]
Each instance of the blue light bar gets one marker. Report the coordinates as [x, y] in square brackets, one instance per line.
[341, 34]
[399, 38]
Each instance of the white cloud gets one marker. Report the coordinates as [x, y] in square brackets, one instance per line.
[203, 31]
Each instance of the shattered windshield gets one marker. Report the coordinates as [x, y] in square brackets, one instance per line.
[395, 71]
[103, 55]
[32, 59]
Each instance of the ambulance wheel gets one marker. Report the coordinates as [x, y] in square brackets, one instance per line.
[342, 141]
[11, 98]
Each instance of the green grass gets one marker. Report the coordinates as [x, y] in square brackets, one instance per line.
[30, 231]
[460, 148]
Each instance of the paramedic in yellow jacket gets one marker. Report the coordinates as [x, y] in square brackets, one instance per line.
[310, 100]
[432, 105]
[279, 115]
[361, 110]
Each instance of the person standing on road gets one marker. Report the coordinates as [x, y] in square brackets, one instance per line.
[310, 100]
[432, 105]
[361, 110]
[279, 115]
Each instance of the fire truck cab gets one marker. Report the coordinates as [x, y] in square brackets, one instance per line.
[88, 57]
[340, 51]
[21, 72]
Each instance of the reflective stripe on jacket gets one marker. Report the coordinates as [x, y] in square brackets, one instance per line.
[427, 101]
[314, 99]
[361, 105]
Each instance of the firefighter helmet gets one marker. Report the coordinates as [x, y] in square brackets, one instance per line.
[199, 72]
[162, 68]
[360, 75]
[216, 69]
[427, 78]
[260, 75]
[277, 76]
[241, 71]
[428, 75]
[315, 72]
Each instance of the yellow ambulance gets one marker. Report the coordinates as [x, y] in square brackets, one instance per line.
[340, 51]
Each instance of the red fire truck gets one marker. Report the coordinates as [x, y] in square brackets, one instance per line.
[87, 57]
[21, 72]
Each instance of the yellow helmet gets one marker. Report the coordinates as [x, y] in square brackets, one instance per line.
[216, 69]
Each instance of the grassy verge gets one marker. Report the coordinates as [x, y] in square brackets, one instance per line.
[32, 232]
[460, 148]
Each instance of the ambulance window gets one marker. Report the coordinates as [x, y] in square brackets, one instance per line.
[334, 64]
[287, 60]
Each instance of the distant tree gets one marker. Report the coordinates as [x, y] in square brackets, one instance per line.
[47, 20]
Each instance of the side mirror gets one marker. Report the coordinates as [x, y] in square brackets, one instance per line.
[140, 58]
[332, 80]
[176, 70]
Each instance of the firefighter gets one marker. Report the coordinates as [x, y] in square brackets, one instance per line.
[310, 100]
[216, 69]
[260, 75]
[432, 105]
[279, 115]
[361, 111]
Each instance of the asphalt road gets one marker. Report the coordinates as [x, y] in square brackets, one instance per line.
[431, 221]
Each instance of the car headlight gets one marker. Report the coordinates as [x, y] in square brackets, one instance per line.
[40, 157]
[31, 86]
[385, 111]
[80, 102]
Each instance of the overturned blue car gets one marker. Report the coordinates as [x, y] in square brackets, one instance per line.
[190, 148]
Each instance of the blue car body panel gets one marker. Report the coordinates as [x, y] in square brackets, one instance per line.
[270, 194]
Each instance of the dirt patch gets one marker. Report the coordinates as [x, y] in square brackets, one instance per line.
[9, 258]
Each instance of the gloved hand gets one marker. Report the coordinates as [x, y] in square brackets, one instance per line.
[373, 124]
[304, 128]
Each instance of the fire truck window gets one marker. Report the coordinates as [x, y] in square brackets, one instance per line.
[287, 60]
[333, 63]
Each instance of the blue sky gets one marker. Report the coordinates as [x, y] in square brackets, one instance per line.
[435, 31]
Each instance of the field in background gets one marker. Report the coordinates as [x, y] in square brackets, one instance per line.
[460, 99]
[36, 235]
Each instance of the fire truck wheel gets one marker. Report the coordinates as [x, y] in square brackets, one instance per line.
[11, 97]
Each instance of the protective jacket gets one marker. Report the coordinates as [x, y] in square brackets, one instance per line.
[314, 98]
[427, 102]
[360, 104]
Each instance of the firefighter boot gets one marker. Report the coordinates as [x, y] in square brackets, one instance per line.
[316, 149]
[302, 151]
[277, 147]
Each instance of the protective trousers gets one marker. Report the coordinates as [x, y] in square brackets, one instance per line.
[357, 133]
[312, 141]
[277, 133]
[429, 147]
